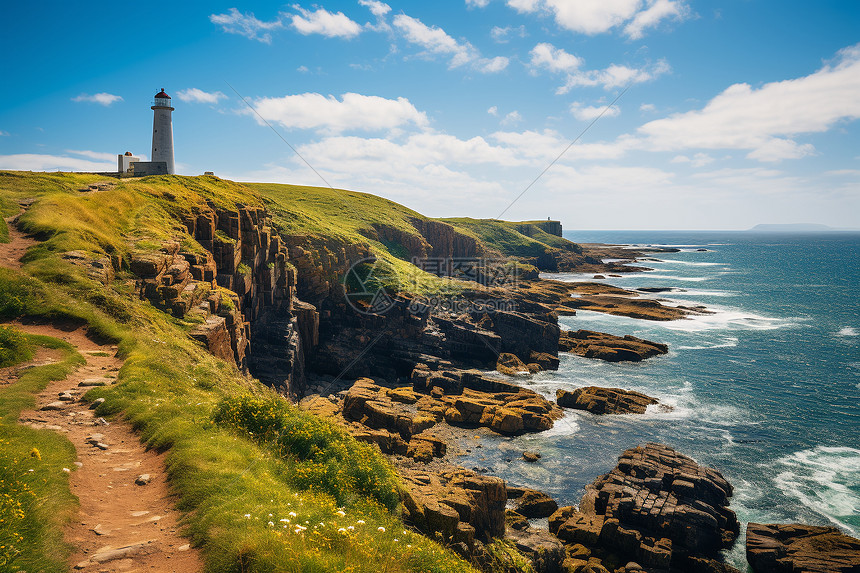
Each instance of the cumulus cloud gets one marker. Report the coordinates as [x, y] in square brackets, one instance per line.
[376, 8]
[328, 114]
[235, 22]
[648, 107]
[554, 59]
[599, 16]
[512, 118]
[436, 41]
[765, 120]
[614, 76]
[195, 95]
[477, 3]
[589, 112]
[102, 98]
[493, 110]
[321, 21]
[656, 12]
[545, 56]
[698, 160]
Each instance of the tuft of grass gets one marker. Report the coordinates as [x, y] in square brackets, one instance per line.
[14, 347]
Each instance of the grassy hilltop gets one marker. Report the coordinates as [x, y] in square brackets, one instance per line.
[264, 486]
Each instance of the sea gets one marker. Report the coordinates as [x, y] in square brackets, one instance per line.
[766, 389]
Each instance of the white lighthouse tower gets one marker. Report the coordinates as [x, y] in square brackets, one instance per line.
[162, 130]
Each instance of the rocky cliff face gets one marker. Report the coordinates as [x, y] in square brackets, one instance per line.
[242, 290]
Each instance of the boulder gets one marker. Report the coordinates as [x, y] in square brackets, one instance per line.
[599, 400]
[535, 504]
[602, 346]
[790, 548]
[510, 364]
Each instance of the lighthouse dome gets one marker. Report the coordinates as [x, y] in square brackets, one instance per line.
[161, 94]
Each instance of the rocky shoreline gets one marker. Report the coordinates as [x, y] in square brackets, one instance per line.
[417, 382]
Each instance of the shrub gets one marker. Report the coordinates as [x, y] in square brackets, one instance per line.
[323, 455]
[14, 347]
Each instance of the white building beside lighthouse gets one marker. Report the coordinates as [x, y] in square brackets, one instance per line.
[162, 130]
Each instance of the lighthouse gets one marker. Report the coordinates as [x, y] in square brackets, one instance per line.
[162, 130]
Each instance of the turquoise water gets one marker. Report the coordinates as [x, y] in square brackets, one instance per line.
[766, 389]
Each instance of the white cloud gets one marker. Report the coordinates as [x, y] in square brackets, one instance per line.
[477, 3]
[501, 35]
[588, 113]
[554, 59]
[302, 69]
[94, 154]
[493, 110]
[436, 41]
[235, 22]
[657, 11]
[614, 76]
[512, 118]
[323, 22]
[195, 95]
[39, 162]
[764, 120]
[327, 113]
[698, 160]
[4, 133]
[648, 107]
[102, 98]
[376, 8]
[599, 16]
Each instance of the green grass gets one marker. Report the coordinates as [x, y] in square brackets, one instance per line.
[35, 500]
[506, 236]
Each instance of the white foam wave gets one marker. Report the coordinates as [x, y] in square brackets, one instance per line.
[691, 263]
[728, 319]
[848, 331]
[824, 479]
[728, 342]
[702, 292]
[668, 277]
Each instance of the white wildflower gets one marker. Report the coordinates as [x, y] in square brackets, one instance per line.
[380, 529]
[340, 513]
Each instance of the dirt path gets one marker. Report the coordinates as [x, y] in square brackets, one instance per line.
[126, 521]
[121, 525]
[11, 253]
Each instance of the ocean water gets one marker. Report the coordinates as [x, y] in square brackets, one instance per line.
[766, 389]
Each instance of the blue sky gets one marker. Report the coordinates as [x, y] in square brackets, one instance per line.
[735, 113]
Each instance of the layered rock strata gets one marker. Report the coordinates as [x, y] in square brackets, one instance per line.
[591, 344]
[657, 508]
[795, 548]
[599, 400]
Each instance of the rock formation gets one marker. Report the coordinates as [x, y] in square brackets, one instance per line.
[795, 548]
[608, 347]
[599, 400]
[658, 508]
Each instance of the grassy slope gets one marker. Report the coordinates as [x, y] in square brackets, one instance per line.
[236, 487]
[505, 237]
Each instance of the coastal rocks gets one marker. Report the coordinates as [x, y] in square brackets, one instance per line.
[790, 548]
[656, 507]
[454, 505]
[467, 398]
[535, 504]
[543, 549]
[510, 365]
[591, 344]
[604, 400]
